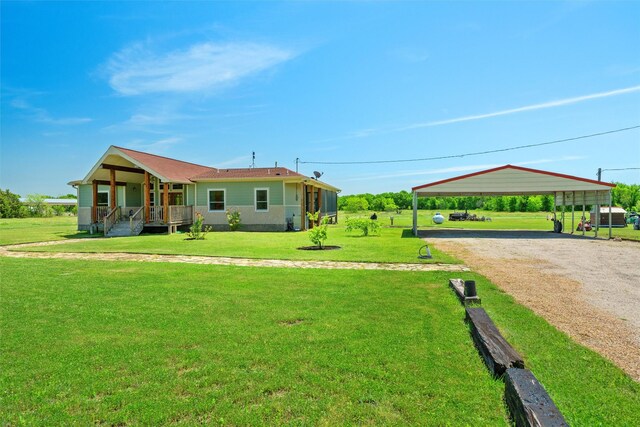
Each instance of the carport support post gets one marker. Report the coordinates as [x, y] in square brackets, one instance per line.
[415, 214]
[564, 202]
[584, 214]
[555, 209]
[573, 211]
[610, 225]
[597, 209]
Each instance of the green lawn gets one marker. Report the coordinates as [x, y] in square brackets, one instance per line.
[27, 230]
[499, 221]
[121, 343]
[391, 245]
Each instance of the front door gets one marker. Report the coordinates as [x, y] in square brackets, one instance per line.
[174, 199]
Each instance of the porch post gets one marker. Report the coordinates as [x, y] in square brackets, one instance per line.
[319, 204]
[166, 202]
[94, 206]
[584, 214]
[312, 208]
[112, 188]
[147, 197]
[303, 213]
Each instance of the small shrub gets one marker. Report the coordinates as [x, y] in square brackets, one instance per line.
[365, 226]
[197, 231]
[233, 218]
[318, 234]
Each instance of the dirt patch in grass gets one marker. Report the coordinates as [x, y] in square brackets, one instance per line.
[316, 248]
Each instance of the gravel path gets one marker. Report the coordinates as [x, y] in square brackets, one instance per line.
[244, 262]
[588, 288]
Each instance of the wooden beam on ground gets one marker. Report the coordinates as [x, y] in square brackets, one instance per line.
[122, 168]
[528, 401]
[458, 287]
[147, 197]
[494, 349]
[112, 188]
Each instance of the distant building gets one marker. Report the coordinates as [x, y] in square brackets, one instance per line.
[53, 202]
[617, 216]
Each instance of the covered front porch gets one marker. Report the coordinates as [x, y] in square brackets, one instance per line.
[126, 198]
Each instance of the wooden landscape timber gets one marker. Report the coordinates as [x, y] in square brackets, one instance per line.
[528, 401]
[458, 287]
[494, 349]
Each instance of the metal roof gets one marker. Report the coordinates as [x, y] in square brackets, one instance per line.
[510, 180]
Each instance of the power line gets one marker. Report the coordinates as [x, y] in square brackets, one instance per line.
[477, 153]
[621, 169]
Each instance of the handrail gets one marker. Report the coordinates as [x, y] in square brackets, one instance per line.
[134, 226]
[181, 214]
[109, 221]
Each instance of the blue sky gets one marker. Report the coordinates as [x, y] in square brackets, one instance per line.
[210, 82]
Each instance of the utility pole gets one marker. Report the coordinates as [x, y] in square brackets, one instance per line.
[599, 174]
[253, 160]
[297, 161]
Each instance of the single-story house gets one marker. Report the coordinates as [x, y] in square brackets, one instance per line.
[617, 216]
[131, 190]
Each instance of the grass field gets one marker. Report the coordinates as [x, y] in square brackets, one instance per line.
[26, 230]
[499, 221]
[132, 343]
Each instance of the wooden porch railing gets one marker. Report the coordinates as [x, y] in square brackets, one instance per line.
[136, 221]
[101, 212]
[110, 219]
[181, 214]
[156, 214]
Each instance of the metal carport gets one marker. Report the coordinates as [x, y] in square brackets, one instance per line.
[512, 180]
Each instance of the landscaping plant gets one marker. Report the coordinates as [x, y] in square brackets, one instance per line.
[198, 230]
[318, 234]
[365, 226]
[233, 218]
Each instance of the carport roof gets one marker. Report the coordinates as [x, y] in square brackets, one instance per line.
[510, 180]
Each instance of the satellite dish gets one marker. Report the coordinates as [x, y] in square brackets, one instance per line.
[317, 174]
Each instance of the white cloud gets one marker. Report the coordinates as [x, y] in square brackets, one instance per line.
[468, 168]
[159, 146]
[533, 107]
[137, 70]
[41, 115]
[541, 106]
[241, 161]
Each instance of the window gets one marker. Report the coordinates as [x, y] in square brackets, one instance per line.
[176, 186]
[103, 198]
[216, 200]
[262, 199]
[152, 198]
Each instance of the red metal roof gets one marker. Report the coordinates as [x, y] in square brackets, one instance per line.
[559, 175]
[174, 170]
[279, 172]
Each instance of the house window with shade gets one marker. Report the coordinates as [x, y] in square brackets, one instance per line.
[216, 200]
[262, 200]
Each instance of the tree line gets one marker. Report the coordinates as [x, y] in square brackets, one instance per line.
[624, 195]
[34, 206]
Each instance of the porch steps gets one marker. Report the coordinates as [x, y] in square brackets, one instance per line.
[122, 229]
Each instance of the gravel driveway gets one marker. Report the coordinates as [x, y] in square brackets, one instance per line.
[588, 288]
